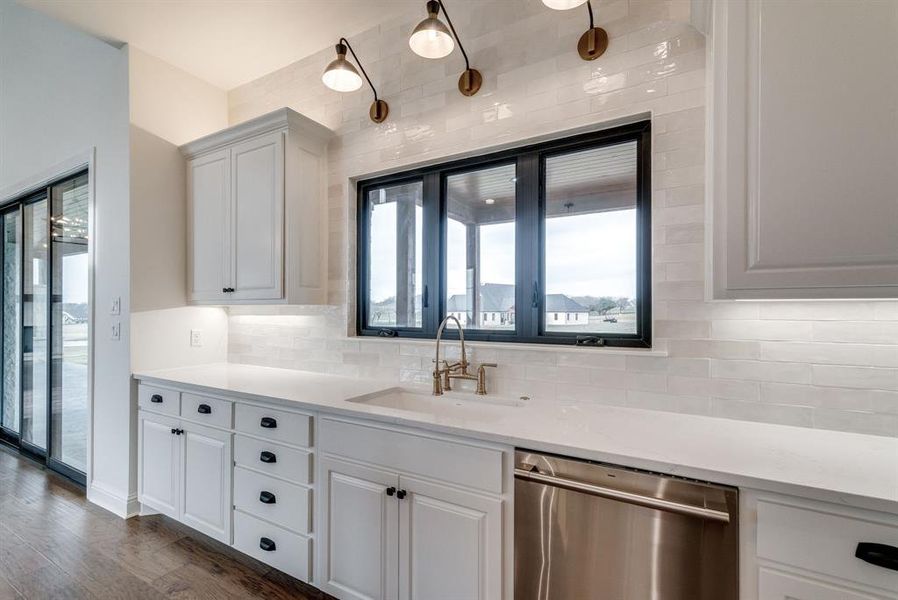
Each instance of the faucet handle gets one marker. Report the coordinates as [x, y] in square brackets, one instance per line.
[493, 365]
[481, 378]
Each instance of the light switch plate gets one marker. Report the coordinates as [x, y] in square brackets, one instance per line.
[115, 334]
[196, 337]
[116, 307]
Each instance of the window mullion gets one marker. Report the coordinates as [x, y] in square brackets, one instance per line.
[434, 250]
[528, 296]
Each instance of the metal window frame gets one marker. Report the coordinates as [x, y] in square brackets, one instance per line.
[530, 276]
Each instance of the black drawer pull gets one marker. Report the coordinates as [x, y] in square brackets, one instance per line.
[268, 457]
[880, 555]
[204, 409]
[269, 423]
[156, 399]
[267, 498]
[267, 545]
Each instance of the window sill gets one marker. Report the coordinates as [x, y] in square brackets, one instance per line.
[613, 350]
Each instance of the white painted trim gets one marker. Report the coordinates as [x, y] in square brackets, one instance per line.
[104, 497]
[60, 170]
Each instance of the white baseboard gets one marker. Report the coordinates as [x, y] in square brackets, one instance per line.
[122, 506]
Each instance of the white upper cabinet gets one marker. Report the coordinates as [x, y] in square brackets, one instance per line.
[803, 163]
[257, 224]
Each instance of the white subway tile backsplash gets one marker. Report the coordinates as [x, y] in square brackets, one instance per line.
[813, 364]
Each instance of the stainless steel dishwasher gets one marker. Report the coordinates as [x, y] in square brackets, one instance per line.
[589, 531]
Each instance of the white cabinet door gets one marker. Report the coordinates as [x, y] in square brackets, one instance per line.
[209, 226]
[774, 585]
[359, 521]
[803, 166]
[450, 543]
[257, 174]
[206, 481]
[159, 472]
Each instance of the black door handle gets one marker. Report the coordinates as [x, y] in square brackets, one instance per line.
[880, 555]
[174, 431]
[390, 491]
[267, 545]
[267, 498]
[400, 494]
[269, 423]
[204, 409]
[156, 399]
[268, 457]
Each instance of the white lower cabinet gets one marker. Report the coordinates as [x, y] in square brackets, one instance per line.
[388, 533]
[450, 543]
[185, 473]
[359, 549]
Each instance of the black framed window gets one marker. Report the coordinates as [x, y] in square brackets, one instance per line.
[549, 243]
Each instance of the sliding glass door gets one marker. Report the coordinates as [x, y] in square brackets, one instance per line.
[45, 325]
[69, 334]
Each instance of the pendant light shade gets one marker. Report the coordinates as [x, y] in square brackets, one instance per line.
[431, 38]
[340, 75]
[564, 4]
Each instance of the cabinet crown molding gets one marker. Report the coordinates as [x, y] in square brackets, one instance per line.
[278, 120]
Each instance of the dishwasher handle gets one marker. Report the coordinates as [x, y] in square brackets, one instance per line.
[628, 497]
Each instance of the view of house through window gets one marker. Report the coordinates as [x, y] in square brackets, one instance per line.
[590, 249]
[545, 244]
[480, 250]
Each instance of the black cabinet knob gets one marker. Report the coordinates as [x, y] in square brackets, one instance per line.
[204, 409]
[391, 490]
[400, 494]
[267, 498]
[268, 457]
[174, 431]
[880, 555]
[156, 399]
[268, 423]
[267, 545]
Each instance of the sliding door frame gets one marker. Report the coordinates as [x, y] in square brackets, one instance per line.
[15, 199]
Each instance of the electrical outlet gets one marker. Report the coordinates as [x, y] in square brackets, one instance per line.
[116, 307]
[196, 337]
[115, 334]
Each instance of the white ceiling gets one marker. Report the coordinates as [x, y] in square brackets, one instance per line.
[226, 42]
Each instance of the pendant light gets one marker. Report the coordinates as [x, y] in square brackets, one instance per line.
[594, 42]
[432, 39]
[342, 76]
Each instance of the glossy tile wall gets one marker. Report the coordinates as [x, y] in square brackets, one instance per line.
[831, 365]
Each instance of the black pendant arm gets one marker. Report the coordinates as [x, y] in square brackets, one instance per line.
[589, 8]
[460, 46]
[343, 40]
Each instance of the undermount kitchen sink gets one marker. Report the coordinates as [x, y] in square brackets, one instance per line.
[450, 404]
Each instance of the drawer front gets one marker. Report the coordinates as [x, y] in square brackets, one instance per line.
[287, 427]
[274, 459]
[455, 462]
[160, 400]
[773, 585]
[825, 543]
[206, 410]
[286, 551]
[277, 501]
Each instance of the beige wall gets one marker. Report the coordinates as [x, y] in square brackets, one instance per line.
[831, 365]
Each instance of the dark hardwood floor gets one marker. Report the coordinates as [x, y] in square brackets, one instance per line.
[54, 544]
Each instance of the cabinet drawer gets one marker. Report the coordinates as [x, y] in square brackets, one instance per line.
[464, 464]
[274, 459]
[159, 400]
[288, 552]
[288, 427]
[272, 499]
[773, 585]
[206, 410]
[825, 542]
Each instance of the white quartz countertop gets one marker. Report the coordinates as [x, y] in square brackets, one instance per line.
[846, 468]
